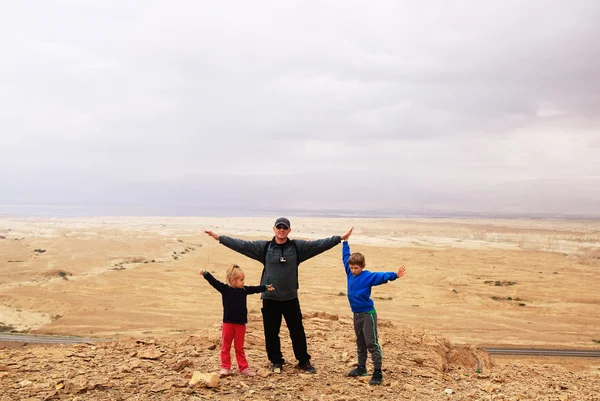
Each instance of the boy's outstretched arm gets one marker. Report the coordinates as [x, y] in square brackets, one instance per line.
[378, 278]
[345, 256]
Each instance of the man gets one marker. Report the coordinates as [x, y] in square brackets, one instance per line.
[281, 257]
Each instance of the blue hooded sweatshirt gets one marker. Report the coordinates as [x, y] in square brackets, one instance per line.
[359, 287]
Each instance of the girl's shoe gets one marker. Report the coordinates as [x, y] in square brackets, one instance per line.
[248, 372]
[224, 372]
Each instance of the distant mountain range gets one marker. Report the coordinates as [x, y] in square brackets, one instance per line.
[308, 194]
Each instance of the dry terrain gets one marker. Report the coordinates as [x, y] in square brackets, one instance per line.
[134, 281]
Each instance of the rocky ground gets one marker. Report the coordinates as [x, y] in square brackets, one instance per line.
[418, 365]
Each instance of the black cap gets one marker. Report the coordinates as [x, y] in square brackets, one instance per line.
[284, 221]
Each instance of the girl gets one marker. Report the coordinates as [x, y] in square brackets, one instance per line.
[235, 316]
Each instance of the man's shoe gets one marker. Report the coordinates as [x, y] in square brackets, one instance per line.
[377, 377]
[358, 371]
[224, 372]
[307, 367]
[276, 368]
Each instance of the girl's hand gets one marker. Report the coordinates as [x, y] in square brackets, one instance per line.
[270, 287]
[201, 272]
[401, 271]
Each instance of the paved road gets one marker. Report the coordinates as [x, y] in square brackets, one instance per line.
[40, 339]
[544, 352]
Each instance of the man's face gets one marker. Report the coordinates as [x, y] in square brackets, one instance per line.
[281, 231]
[356, 270]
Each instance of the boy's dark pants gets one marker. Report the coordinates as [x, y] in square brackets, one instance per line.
[272, 312]
[365, 328]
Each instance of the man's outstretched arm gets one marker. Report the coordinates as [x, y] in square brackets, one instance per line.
[252, 249]
[309, 249]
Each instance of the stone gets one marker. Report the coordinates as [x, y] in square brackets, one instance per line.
[149, 353]
[204, 379]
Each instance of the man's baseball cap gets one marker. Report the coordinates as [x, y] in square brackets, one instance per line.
[284, 221]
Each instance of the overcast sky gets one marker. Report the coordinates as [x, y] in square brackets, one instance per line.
[462, 105]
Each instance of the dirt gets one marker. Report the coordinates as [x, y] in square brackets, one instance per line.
[134, 281]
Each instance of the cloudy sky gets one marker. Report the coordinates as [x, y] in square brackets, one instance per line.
[188, 106]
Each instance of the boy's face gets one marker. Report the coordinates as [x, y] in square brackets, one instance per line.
[356, 269]
[238, 281]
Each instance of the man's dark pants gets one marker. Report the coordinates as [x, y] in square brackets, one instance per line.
[272, 312]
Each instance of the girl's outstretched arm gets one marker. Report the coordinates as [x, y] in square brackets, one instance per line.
[219, 286]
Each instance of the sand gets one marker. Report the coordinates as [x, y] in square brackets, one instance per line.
[134, 280]
[500, 282]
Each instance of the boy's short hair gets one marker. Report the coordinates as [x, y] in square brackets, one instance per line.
[357, 259]
[233, 272]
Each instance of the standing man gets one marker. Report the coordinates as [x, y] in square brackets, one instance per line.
[281, 257]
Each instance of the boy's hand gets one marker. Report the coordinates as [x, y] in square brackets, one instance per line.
[401, 271]
[214, 235]
[201, 272]
[347, 235]
[270, 287]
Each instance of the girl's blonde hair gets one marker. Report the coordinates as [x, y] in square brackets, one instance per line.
[233, 272]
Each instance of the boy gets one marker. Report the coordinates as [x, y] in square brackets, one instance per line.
[360, 282]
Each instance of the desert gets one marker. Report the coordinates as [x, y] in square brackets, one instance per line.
[133, 283]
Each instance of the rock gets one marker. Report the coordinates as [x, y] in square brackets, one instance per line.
[26, 383]
[161, 386]
[262, 372]
[179, 366]
[448, 391]
[149, 353]
[409, 387]
[204, 379]
[490, 388]
[76, 385]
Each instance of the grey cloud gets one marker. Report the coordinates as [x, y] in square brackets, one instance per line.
[101, 97]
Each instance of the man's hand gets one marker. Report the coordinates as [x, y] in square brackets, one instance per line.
[401, 271]
[214, 235]
[270, 287]
[201, 272]
[347, 235]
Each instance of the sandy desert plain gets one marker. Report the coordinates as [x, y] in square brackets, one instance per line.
[134, 281]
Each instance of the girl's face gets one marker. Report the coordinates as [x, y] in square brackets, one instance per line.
[238, 281]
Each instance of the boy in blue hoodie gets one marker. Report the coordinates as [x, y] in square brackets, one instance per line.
[360, 282]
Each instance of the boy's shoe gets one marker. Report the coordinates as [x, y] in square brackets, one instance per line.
[377, 377]
[248, 372]
[306, 367]
[276, 367]
[358, 371]
[224, 372]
